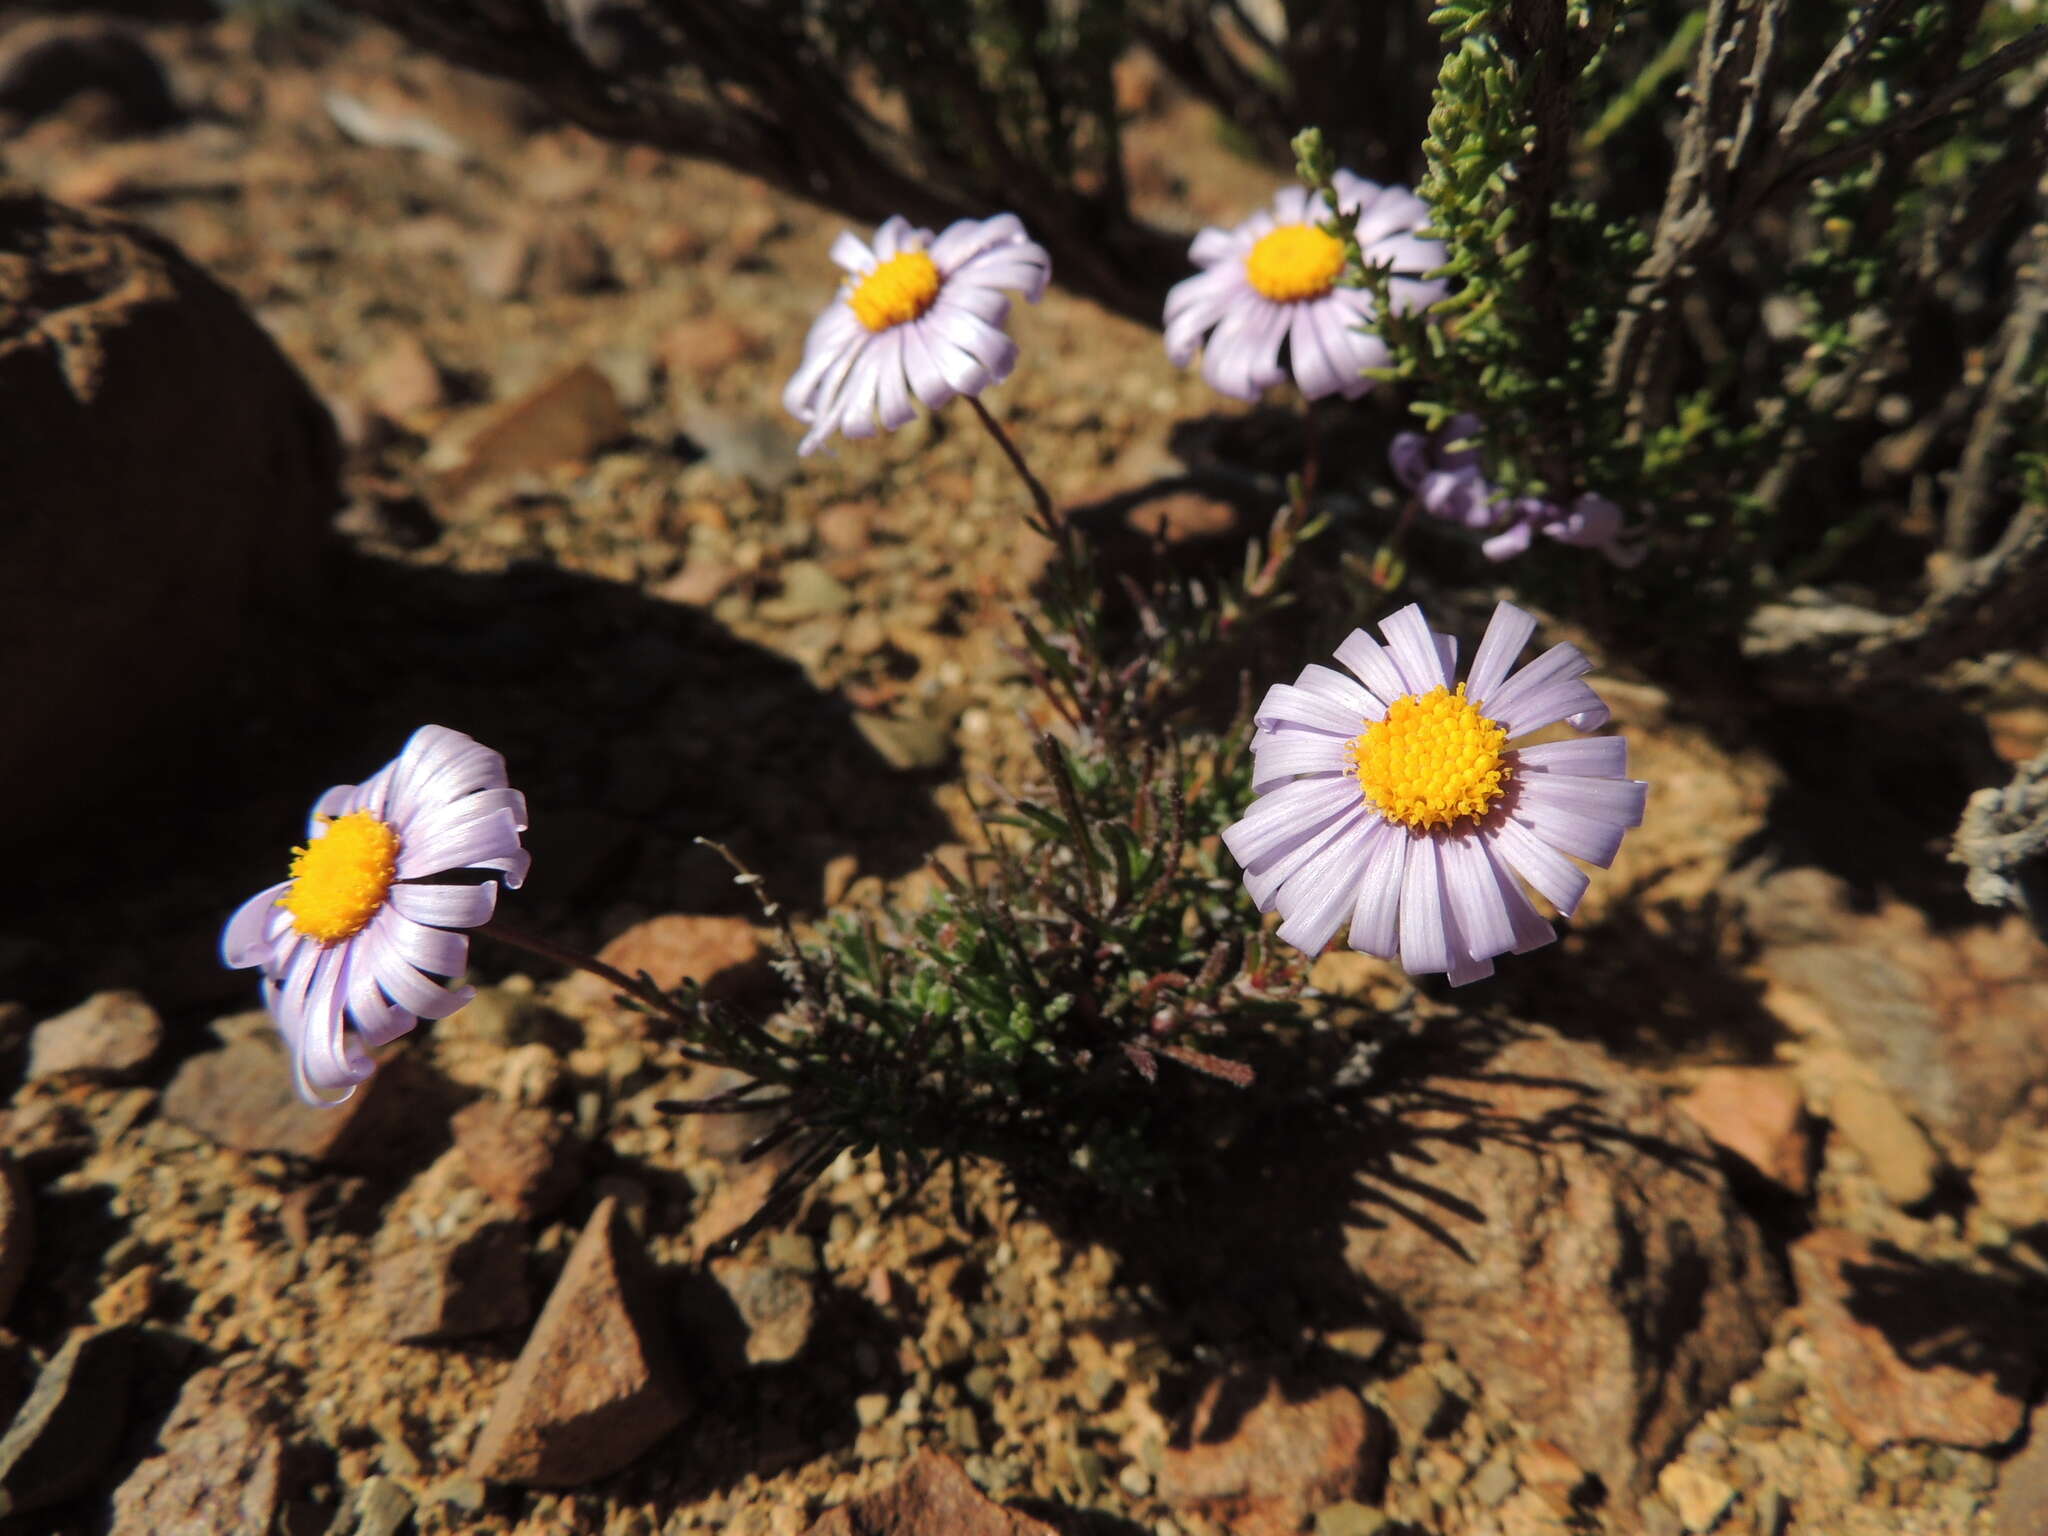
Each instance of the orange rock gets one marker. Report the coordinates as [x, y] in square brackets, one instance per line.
[1758, 1114]
[1913, 1351]
[723, 955]
[931, 1497]
[1262, 1461]
[595, 1386]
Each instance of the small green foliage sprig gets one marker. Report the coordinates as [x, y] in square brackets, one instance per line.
[1618, 321]
[1076, 1003]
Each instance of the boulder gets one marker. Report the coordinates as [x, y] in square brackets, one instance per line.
[167, 469]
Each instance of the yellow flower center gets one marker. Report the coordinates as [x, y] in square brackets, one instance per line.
[340, 878]
[897, 291]
[1295, 262]
[1434, 759]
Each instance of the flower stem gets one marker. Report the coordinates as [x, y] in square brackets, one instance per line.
[522, 938]
[1049, 521]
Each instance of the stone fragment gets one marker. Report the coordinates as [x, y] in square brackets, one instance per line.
[1758, 1114]
[1697, 1496]
[455, 1290]
[223, 1463]
[1902, 1161]
[110, 1034]
[1420, 1406]
[809, 591]
[44, 1133]
[545, 259]
[930, 1497]
[241, 1097]
[847, 527]
[17, 1230]
[1913, 1351]
[721, 954]
[1350, 1518]
[775, 1302]
[744, 445]
[521, 1157]
[693, 352]
[127, 1298]
[594, 1386]
[1551, 1174]
[1951, 1020]
[403, 379]
[565, 420]
[910, 744]
[2020, 1507]
[377, 1506]
[209, 457]
[1260, 1459]
[65, 1435]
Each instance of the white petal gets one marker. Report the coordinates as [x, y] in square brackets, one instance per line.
[1375, 921]
[1364, 656]
[1413, 647]
[1425, 941]
[1506, 633]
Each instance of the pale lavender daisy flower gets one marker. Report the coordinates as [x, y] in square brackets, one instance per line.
[917, 318]
[1273, 281]
[1390, 800]
[356, 936]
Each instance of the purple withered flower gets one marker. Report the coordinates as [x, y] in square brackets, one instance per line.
[1390, 800]
[1273, 281]
[1450, 483]
[356, 935]
[917, 319]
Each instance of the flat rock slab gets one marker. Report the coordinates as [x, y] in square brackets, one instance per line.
[1758, 1114]
[456, 1290]
[241, 1097]
[1573, 1241]
[1914, 1351]
[594, 1386]
[110, 1034]
[520, 1156]
[1261, 1459]
[65, 1434]
[223, 1463]
[930, 1497]
[1951, 1021]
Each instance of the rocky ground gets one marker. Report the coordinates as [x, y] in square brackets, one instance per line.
[1729, 1213]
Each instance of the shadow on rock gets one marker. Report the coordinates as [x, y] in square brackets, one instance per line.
[1523, 1199]
[1938, 1316]
[760, 1417]
[1648, 984]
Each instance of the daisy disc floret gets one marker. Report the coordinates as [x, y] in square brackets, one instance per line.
[917, 319]
[1392, 805]
[1274, 282]
[351, 944]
